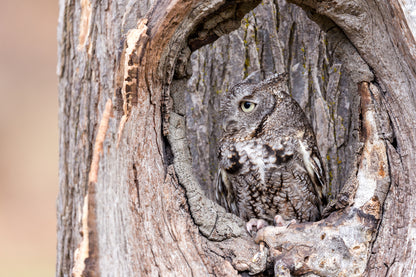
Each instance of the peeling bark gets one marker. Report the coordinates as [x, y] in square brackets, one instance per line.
[140, 200]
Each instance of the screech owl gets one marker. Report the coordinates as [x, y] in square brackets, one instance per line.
[269, 163]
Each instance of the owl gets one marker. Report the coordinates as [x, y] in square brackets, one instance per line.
[269, 164]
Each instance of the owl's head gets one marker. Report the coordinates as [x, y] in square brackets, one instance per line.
[246, 107]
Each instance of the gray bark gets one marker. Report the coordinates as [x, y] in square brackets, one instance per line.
[139, 127]
[277, 37]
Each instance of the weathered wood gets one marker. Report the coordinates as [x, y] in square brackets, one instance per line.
[378, 30]
[147, 209]
[139, 209]
[396, 84]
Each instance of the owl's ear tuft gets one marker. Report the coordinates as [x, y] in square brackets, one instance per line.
[277, 78]
[253, 78]
[278, 82]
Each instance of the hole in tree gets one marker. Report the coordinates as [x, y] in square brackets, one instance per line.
[325, 92]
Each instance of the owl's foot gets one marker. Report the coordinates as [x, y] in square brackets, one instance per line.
[254, 224]
[280, 222]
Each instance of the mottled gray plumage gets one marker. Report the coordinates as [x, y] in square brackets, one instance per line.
[269, 163]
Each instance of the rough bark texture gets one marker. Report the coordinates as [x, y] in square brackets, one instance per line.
[139, 122]
[123, 212]
[379, 32]
[277, 37]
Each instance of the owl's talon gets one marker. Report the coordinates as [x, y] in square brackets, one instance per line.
[280, 222]
[255, 223]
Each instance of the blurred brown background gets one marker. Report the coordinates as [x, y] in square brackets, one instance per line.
[28, 137]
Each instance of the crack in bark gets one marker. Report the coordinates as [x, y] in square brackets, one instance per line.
[208, 216]
[86, 257]
[168, 225]
[136, 183]
[389, 266]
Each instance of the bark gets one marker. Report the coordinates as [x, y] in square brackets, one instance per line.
[138, 129]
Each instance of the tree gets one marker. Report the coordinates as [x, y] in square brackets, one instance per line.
[139, 93]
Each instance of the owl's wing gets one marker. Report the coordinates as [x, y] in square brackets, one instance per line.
[224, 192]
[313, 165]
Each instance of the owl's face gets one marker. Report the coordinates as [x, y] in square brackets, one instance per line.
[244, 110]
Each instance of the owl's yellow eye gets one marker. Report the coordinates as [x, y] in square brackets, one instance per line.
[247, 106]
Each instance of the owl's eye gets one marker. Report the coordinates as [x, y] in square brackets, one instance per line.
[247, 106]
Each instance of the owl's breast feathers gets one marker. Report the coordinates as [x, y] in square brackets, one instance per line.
[260, 178]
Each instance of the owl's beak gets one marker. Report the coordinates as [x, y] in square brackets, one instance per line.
[224, 126]
[228, 126]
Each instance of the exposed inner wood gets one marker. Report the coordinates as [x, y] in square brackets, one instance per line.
[150, 208]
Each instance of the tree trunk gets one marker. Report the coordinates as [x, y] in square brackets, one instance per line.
[138, 98]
